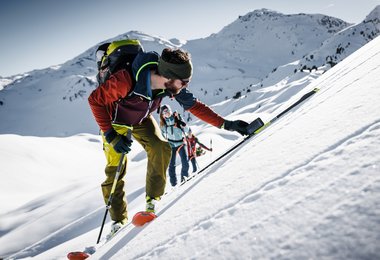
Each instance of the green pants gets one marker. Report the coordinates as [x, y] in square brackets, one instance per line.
[148, 134]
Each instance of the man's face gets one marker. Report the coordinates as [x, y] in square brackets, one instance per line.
[174, 86]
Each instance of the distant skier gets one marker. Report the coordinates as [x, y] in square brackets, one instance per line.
[121, 107]
[173, 129]
[194, 150]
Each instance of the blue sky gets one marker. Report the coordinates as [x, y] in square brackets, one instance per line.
[40, 33]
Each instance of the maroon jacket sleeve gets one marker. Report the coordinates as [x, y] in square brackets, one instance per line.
[201, 145]
[102, 99]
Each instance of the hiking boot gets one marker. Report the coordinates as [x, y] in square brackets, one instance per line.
[116, 226]
[150, 203]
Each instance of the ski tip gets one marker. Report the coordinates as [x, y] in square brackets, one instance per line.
[143, 217]
[77, 255]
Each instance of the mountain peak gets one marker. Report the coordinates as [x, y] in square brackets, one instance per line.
[373, 16]
[259, 13]
[331, 23]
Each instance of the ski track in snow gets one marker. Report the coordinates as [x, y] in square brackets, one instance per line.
[343, 71]
[254, 195]
[352, 178]
[71, 230]
[336, 184]
[166, 203]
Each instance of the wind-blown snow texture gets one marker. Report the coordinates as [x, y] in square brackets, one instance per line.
[307, 187]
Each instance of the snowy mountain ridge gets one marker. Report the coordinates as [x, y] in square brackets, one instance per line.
[253, 46]
[344, 43]
[229, 66]
[298, 44]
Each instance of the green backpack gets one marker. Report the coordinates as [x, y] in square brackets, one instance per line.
[114, 56]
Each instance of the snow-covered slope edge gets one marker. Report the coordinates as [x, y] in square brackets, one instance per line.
[310, 181]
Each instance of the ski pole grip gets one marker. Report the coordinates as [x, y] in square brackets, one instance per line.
[254, 125]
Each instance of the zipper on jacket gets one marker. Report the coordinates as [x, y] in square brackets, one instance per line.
[147, 112]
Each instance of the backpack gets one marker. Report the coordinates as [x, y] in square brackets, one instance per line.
[199, 151]
[114, 56]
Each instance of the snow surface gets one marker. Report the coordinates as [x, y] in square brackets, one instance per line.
[308, 187]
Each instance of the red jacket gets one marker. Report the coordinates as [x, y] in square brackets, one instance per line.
[139, 102]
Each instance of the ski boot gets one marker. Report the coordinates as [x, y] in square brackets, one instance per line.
[116, 226]
[150, 203]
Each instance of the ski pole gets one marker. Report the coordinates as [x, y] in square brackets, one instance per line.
[197, 164]
[211, 149]
[119, 169]
[261, 128]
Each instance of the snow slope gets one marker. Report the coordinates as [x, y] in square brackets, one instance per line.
[306, 188]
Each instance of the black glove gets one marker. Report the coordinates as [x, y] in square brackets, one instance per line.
[239, 126]
[121, 143]
[178, 121]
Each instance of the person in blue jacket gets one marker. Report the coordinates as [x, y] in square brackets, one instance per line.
[173, 129]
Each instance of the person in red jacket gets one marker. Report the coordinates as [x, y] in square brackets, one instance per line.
[192, 142]
[123, 109]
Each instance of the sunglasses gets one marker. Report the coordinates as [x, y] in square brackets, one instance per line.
[184, 82]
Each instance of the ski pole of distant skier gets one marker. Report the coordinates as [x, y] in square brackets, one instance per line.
[211, 149]
[196, 162]
[119, 169]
